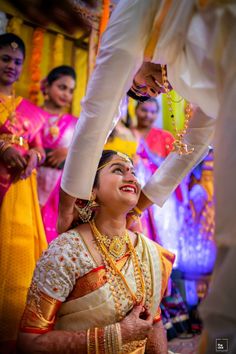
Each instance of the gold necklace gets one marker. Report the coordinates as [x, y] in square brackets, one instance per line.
[54, 129]
[178, 146]
[118, 282]
[116, 246]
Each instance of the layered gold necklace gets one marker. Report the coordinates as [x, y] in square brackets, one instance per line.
[119, 286]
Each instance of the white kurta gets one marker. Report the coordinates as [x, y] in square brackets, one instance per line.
[198, 46]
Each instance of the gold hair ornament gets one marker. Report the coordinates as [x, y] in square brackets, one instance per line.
[120, 154]
[14, 46]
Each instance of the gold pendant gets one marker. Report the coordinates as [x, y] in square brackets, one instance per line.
[117, 247]
[181, 148]
[54, 131]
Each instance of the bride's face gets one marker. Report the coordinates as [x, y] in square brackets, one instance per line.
[117, 184]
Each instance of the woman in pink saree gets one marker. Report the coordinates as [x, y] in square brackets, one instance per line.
[56, 134]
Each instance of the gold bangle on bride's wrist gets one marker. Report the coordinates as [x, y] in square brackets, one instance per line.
[101, 340]
[113, 339]
[95, 341]
[88, 341]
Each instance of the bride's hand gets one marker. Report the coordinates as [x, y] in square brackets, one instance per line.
[137, 325]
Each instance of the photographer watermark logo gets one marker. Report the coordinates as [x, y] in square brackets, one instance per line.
[222, 345]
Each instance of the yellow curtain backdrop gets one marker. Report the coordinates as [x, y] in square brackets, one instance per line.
[58, 49]
[68, 55]
[80, 65]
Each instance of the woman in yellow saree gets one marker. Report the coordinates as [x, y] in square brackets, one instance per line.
[22, 237]
[98, 287]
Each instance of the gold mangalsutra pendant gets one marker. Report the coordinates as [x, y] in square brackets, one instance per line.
[54, 131]
[117, 247]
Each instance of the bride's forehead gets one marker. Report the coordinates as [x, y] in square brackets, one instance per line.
[120, 160]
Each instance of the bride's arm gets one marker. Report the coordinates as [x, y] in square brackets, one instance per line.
[57, 342]
[132, 327]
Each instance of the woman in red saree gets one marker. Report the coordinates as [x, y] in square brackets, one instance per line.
[56, 134]
[22, 234]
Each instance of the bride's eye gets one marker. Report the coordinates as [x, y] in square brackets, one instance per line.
[118, 170]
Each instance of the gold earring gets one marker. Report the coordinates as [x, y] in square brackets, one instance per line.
[86, 212]
[94, 204]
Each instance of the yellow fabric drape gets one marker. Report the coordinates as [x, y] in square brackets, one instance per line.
[22, 242]
[58, 50]
[80, 66]
[131, 109]
[178, 109]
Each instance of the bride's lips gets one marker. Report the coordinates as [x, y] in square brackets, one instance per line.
[129, 188]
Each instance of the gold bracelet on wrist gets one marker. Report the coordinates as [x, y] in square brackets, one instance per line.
[88, 341]
[113, 339]
[119, 337]
[101, 341]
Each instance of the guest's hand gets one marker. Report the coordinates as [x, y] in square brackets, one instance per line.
[137, 325]
[56, 157]
[32, 162]
[67, 213]
[13, 160]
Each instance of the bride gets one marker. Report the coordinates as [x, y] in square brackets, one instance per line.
[98, 287]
